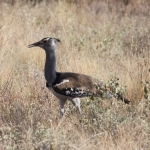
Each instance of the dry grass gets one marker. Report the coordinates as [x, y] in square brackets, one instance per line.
[96, 40]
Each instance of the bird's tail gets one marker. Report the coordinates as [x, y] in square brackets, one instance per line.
[111, 89]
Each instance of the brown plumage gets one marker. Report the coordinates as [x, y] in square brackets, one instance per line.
[76, 82]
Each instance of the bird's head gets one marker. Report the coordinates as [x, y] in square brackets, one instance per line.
[46, 43]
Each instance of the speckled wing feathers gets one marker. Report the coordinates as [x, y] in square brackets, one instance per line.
[78, 85]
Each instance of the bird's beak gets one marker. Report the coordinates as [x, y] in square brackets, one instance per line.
[34, 44]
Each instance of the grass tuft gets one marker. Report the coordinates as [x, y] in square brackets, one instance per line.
[106, 40]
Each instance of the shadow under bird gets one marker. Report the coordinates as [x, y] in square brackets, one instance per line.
[66, 85]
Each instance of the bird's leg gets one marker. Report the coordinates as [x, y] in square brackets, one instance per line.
[62, 103]
[76, 103]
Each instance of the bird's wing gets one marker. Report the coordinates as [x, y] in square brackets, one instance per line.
[74, 85]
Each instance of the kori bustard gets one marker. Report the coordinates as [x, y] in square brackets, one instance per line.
[66, 85]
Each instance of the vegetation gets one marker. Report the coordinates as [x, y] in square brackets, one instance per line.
[106, 40]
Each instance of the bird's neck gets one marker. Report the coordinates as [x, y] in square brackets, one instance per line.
[50, 67]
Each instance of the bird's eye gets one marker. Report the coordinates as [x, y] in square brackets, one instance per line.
[44, 41]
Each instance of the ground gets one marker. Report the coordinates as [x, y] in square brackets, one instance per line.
[100, 39]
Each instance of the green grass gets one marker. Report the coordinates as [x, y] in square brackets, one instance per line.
[97, 40]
